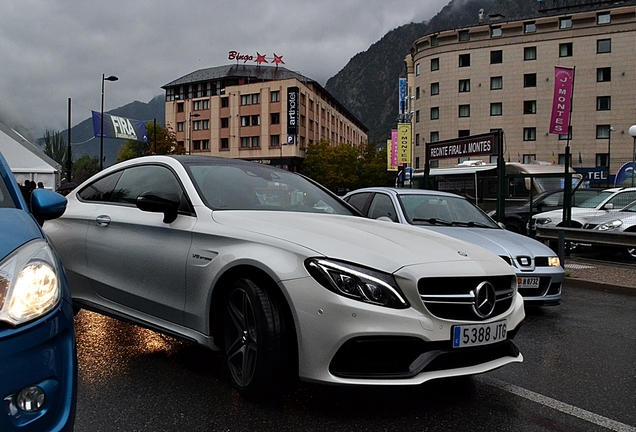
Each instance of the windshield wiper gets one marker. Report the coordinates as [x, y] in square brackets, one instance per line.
[472, 224]
[434, 221]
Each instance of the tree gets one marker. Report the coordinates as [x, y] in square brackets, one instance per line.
[160, 141]
[55, 146]
[84, 167]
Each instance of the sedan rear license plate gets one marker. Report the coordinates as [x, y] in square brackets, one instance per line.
[479, 334]
[528, 282]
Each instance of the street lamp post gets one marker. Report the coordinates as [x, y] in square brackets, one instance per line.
[609, 144]
[190, 131]
[101, 130]
[632, 132]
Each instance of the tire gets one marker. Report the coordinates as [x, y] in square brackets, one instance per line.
[515, 227]
[256, 346]
[629, 253]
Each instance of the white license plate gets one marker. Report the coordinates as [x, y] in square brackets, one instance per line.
[528, 282]
[479, 334]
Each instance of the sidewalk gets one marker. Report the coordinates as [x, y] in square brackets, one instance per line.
[601, 275]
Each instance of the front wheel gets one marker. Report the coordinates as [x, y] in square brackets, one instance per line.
[256, 345]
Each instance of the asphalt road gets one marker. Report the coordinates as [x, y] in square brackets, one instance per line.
[579, 374]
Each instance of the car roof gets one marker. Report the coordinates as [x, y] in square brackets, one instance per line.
[406, 191]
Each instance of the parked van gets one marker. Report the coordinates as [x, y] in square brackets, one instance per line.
[477, 181]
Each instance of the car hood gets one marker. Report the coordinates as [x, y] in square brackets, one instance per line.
[382, 245]
[575, 211]
[18, 227]
[498, 241]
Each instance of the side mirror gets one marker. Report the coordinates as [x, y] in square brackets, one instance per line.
[609, 206]
[160, 202]
[47, 205]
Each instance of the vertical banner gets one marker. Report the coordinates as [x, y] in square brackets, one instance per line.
[292, 110]
[562, 100]
[404, 143]
[394, 147]
[402, 96]
[389, 156]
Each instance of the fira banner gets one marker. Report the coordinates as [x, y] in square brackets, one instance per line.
[119, 127]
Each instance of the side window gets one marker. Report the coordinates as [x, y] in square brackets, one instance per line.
[100, 190]
[358, 201]
[622, 199]
[137, 180]
[554, 200]
[382, 206]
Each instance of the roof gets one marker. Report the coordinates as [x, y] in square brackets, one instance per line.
[262, 73]
[22, 155]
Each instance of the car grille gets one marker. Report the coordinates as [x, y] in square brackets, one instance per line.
[545, 285]
[454, 297]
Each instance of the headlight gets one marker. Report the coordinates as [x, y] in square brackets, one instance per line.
[554, 261]
[610, 225]
[29, 286]
[543, 221]
[358, 283]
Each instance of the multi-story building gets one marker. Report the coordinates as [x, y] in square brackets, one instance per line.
[260, 113]
[499, 74]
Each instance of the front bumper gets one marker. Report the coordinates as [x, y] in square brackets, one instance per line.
[549, 290]
[343, 341]
[41, 353]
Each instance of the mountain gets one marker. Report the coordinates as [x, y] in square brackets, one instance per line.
[83, 136]
[368, 85]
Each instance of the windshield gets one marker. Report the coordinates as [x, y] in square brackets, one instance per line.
[443, 210]
[595, 201]
[257, 187]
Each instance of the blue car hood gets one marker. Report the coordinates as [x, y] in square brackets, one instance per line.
[18, 227]
[499, 241]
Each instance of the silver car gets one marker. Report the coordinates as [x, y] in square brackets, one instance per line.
[282, 276]
[623, 220]
[538, 269]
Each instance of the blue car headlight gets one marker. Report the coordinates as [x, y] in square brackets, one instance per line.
[358, 283]
[29, 286]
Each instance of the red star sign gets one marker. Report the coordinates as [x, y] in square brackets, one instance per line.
[260, 58]
[278, 60]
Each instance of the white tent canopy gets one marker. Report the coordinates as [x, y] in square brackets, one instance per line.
[26, 160]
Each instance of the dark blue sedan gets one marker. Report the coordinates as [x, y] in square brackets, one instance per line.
[38, 361]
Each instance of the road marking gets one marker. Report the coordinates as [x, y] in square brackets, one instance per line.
[559, 406]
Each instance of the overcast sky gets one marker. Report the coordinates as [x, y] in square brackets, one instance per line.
[52, 50]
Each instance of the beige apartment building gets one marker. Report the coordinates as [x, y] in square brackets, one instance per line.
[261, 113]
[499, 74]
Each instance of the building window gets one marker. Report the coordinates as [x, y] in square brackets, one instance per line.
[565, 23]
[434, 136]
[275, 118]
[602, 131]
[565, 49]
[463, 133]
[205, 144]
[417, 162]
[464, 85]
[496, 57]
[180, 126]
[251, 99]
[434, 163]
[496, 109]
[495, 31]
[225, 102]
[256, 120]
[417, 69]
[417, 116]
[245, 142]
[603, 46]
[180, 107]
[435, 113]
[245, 121]
[529, 27]
[274, 140]
[196, 145]
[464, 35]
[417, 139]
[602, 160]
[417, 92]
[464, 110]
[528, 158]
[604, 74]
[201, 105]
[530, 134]
[567, 136]
[603, 18]
[496, 83]
[464, 60]
[225, 143]
[246, 99]
[434, 89]
[530, 107]
[434, 41]
[225, 122]
[275, 96]
[434, 65]
[562, 159]
[530, 80]
[603, 103]
[256, 141]
[530, 53]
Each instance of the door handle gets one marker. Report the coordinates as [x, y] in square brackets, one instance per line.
[102, 220]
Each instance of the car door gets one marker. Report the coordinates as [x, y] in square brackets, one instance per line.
[137, 261]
